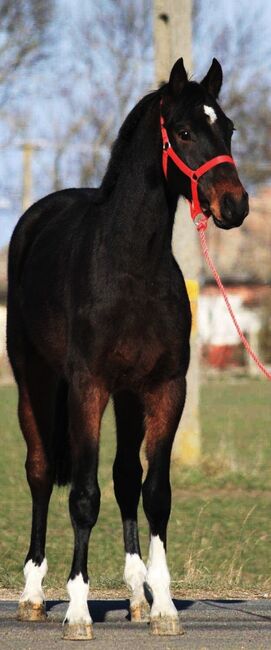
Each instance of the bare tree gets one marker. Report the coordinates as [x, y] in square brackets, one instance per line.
[23, 30]
[111, 67]
[241, 40]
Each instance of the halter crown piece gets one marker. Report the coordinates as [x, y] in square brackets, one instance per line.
[200, 219]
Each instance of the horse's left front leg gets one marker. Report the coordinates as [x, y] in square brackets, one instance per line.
[87, 400]
[163, 409]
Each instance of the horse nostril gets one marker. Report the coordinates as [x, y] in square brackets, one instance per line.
[234, 209]
[205, 206]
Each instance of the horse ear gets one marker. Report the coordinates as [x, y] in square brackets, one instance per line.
[213, 80]
[178, 77]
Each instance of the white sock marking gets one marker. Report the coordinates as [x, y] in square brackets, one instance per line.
[158, 579]
[208, 110]
[34, 575]
[135, 576]
[77, 611]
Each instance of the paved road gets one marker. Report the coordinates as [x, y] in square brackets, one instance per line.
[209, 625]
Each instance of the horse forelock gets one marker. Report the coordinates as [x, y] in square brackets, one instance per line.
[192, 98]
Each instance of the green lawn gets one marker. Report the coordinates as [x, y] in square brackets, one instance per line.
[220, 530]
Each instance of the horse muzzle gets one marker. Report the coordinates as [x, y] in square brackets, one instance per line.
[232, 210]
[228, 208]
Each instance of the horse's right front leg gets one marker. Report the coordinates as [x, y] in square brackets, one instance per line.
[87, 401]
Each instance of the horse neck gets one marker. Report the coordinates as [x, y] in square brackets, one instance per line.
[141, 212]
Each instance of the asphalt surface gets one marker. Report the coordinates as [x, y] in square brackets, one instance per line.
[208, 625]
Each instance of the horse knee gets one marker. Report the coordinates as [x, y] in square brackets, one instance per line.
[127, 484]
[156, 503]
[84, 506]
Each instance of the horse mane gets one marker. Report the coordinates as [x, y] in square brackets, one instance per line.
[122, 141]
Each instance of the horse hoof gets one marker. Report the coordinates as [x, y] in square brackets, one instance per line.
[28, 611]
[140, 613]
[166, 625]
[77, 632]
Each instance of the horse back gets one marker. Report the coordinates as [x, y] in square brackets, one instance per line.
[51, 212]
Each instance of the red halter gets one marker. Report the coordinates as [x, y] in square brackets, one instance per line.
[198, 217]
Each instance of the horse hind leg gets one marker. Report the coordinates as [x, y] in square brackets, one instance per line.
[127, 474]
[36, 414]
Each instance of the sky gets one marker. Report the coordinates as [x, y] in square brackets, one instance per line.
[42, 98]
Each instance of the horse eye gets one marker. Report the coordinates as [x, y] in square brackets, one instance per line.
[184, 135]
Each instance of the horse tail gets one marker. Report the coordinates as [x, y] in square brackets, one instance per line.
[61, 447]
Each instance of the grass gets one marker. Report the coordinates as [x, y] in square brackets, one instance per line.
[220, 530]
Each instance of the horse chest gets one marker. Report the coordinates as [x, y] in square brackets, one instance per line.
[142, 347]
[136, 354]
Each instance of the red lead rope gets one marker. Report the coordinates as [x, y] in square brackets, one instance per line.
[200, 221]
[229, 307]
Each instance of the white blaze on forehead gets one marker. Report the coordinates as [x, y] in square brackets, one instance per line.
[208, 110]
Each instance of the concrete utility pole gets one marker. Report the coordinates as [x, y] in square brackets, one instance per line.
[27, 149]
[173, 38]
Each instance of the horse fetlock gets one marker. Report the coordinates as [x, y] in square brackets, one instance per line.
[163, 604]
[77, 625]
[77, 614]
[139, 611]
[135, 573]
[134, 576]
[164, 616]
[31, 603]
[77, 620]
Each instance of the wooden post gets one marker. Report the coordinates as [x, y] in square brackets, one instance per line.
[173, 38]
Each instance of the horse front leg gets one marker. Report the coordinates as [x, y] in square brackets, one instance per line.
[163, 408]
[87, 401]
[127, 475]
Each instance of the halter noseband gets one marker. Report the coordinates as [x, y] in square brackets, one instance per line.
[200, 219]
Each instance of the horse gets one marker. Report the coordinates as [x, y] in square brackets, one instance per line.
[98, 307]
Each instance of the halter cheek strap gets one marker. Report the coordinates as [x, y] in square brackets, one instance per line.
[197, 215]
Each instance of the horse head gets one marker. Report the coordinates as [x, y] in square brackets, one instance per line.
[199, 131]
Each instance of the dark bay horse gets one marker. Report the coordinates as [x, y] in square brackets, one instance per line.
[97, 306]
